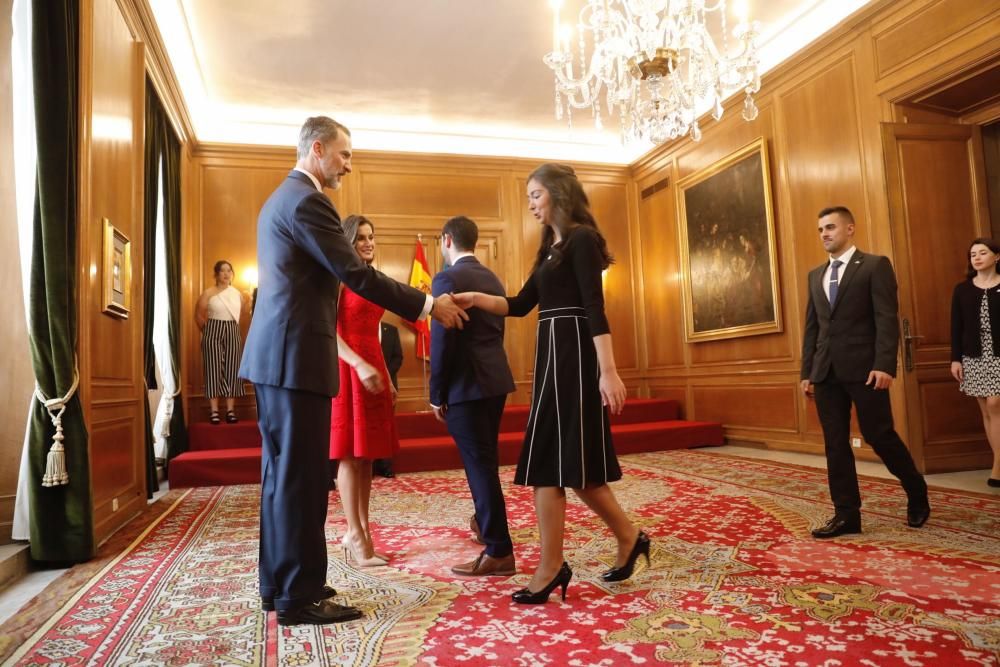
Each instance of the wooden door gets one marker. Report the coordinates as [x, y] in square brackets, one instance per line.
[937, 204]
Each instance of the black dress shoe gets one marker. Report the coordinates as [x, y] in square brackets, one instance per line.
[318, 613]
[992, 482]
[838, 525]
[267, 603]
[917, 517]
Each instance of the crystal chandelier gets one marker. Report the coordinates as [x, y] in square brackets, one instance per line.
[657, 63]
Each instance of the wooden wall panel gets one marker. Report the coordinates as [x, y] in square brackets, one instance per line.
[404, 196]
[429, 195]
[112, 385]
[756, 406]
[820, 115]
[609, 203]
[661, 279]
[671, 392]
[936, 23]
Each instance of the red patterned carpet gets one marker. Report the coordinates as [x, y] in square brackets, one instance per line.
[735, 580]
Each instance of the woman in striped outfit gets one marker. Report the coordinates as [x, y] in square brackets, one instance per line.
[218, 316]
[567, 443]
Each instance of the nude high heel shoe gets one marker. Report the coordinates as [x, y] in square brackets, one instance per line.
[357, 554]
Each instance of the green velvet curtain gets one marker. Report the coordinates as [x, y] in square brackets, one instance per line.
[163, 151]
[177, 442]
[61, 520]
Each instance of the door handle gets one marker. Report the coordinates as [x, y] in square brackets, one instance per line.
[908, 339]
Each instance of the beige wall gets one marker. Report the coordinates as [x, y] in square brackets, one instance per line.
[16, 377]
[110, 350]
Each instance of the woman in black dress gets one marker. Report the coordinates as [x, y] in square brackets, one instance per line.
[567, 443]
[975, 339]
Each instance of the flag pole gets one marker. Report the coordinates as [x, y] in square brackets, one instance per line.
[424, 356]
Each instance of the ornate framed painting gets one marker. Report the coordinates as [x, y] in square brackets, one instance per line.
[117, 272]
[728, 262]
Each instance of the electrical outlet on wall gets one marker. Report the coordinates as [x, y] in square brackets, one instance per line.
[856, 443]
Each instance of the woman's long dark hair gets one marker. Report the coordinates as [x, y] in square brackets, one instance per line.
[989, 243]
[570, 207]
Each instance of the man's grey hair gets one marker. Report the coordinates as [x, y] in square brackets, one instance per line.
[318, 128]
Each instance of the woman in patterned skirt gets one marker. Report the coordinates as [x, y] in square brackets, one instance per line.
[218, 316]
[975, 339]
[567, 443]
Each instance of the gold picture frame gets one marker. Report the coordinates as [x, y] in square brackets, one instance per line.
[728, 257]
[117, 272]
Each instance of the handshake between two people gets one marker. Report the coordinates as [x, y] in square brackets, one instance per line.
[449, 310]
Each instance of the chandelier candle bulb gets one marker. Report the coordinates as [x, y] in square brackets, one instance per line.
[656, 63]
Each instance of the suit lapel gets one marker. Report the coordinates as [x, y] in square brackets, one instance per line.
[857, 261]
[819, 298]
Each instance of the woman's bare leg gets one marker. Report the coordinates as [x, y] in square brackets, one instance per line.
[601, 500]
[550, 510]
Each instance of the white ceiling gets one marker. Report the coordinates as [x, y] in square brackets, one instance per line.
[458, 76]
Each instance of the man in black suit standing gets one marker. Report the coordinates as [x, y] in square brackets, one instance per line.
[849, 356]
[392, 352]
[470, 380]
[291, 358]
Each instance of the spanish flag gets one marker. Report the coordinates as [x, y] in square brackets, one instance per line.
[420, 277]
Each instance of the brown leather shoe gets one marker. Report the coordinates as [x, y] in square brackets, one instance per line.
[477, 536]
[486, 565]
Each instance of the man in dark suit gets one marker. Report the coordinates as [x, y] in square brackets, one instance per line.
[849, 356]
[291, 358]
[392, 352]
[470, 380]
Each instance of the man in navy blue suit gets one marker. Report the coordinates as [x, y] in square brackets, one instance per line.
[291, 358]
[470, 380]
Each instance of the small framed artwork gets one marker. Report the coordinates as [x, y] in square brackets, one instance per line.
[117, 276]
[728, 257]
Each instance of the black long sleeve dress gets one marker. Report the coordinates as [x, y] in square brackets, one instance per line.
[568, 439]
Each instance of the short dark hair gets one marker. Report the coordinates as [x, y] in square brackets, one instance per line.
[840, 210]
[462, 231]
[318, 128]
[994, 247]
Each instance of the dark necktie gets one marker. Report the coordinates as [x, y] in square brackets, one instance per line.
[834, 279]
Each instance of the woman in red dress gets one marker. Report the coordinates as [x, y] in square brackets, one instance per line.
[362, 426]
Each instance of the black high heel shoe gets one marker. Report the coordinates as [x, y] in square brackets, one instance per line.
[525, 596]
[625, 571]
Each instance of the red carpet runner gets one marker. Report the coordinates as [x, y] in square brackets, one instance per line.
[735, 580]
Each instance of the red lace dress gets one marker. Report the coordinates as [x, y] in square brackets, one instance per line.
[362, 424]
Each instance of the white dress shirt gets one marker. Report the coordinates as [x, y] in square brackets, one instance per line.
[846, 259]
